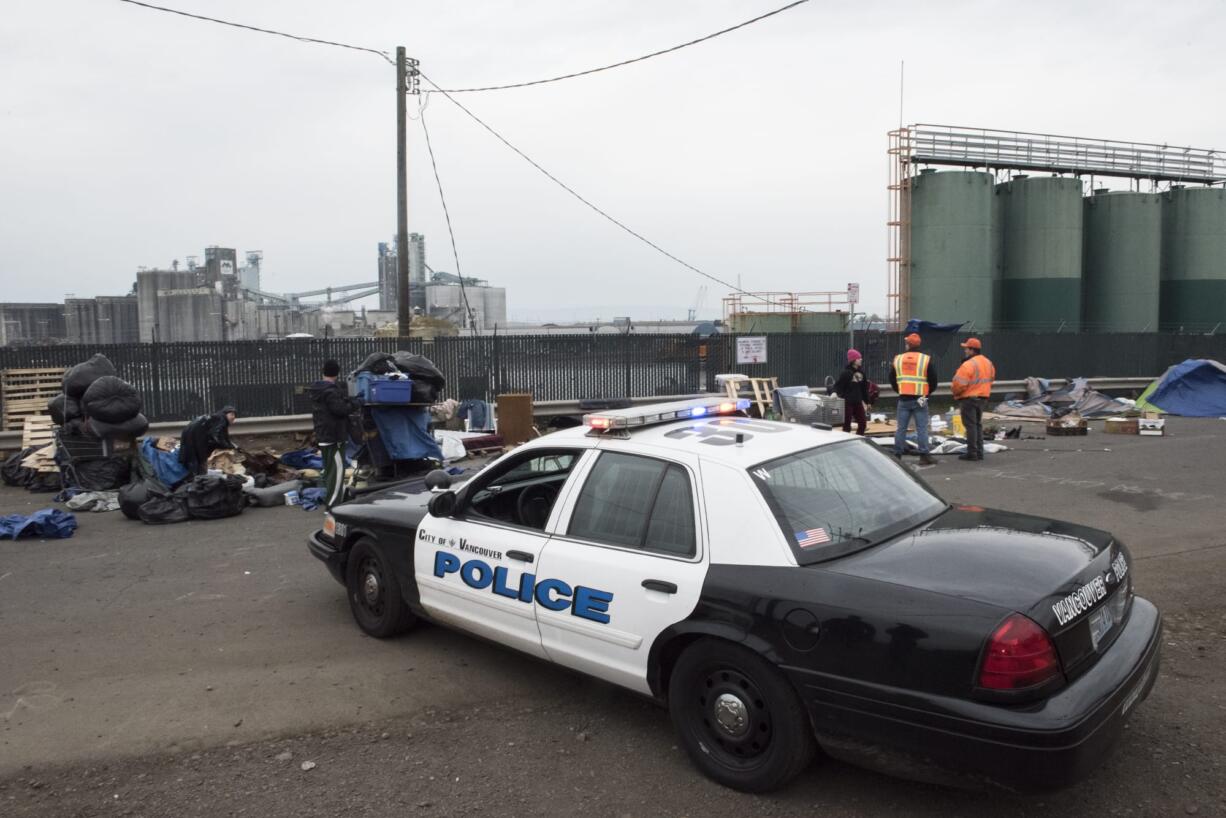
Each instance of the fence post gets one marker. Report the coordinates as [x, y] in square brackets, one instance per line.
[626, 356]
[155, 363]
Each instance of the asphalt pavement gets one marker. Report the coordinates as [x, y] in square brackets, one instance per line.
[196, 669]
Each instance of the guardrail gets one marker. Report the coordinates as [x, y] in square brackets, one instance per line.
[287, 424]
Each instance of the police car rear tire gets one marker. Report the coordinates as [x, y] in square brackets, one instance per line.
[374, 592]
[739, 719]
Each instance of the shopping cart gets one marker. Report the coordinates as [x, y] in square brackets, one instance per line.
[797, 405]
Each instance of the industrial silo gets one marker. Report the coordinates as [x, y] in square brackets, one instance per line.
[955, 247]
[1193, 291]
[1122, 261]
[1040, 285]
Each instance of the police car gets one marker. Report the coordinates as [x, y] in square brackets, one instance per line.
[780, 589]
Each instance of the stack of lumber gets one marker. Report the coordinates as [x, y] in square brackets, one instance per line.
[25, 392]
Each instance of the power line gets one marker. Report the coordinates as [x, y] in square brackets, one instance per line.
[630, 61]
[455, 253]
[585, 201]
[297, 37]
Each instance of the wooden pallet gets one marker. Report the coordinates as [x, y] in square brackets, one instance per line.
[25, 392]
[31, 382]
[37, 431]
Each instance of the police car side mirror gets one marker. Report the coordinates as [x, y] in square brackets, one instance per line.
[442, 504]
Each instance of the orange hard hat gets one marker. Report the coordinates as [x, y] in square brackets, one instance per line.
[972, 343]
[913, 340]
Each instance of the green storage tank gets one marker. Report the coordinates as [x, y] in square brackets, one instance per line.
[955, 247]
[1123, 261]
[1040, 286]
[1193, 290]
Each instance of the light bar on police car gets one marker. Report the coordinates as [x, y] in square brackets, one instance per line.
[652, 414]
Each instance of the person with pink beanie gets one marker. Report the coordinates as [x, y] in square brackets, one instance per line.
[852, 387]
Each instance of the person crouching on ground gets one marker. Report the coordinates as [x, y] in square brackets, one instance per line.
[914, 378]
[205, 435]
[331, 408]
[852, 387]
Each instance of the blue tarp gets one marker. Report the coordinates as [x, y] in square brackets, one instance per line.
[405, 433]
[166, 465]
[925, 327]
[49, 523]
[311, 499]
[1195, 388]
[303, 459]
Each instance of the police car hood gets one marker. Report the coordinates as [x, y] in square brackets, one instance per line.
[403, 504]
[1016, 561]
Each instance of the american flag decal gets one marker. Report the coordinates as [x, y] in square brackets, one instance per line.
[811, 537]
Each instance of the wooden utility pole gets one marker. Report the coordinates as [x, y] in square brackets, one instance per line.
[402, 196]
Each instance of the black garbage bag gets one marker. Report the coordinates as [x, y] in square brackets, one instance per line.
[211, 496]
[44, 482]
[79, 378]
[419, 368]
[97, 473]
[111, 400]
[130, 428]
[428, 381]
[379, 363]
[73, 428]
[63, 409]
[134, 495]
[12, 471]
[164, 507]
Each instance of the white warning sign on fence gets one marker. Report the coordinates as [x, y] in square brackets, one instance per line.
[751, 349]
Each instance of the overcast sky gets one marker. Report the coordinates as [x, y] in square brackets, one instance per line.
[131, 137]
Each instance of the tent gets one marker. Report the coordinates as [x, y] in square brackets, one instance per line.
[1195, 388]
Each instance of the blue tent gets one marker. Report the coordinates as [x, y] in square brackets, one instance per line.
[1195, 388]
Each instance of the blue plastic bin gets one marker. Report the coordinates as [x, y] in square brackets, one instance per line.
[384, 390]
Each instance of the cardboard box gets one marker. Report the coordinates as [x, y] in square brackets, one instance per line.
[1121, 426]
[1151, 427]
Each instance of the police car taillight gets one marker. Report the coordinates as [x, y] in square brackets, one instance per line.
[661, 413]
[1019, 655]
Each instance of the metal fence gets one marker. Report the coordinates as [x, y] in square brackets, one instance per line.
[267, 377]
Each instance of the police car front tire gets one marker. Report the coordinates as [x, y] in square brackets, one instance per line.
[374, 592]
[739, 719]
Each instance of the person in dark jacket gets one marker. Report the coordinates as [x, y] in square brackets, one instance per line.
[331, 408]
[852, 387]
[203, 436]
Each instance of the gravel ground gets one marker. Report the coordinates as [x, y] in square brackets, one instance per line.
[196, 669]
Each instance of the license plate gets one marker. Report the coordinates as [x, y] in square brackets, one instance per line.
[1100, 622]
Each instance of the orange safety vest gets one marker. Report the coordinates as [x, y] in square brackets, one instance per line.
[974, 378]
[911, 369]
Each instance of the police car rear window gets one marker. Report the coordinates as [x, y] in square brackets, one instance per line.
[637, 502]
[840, 498]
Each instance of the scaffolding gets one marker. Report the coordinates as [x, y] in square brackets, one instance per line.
[997, 151]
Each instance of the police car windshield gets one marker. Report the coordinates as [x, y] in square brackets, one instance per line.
[844, 497]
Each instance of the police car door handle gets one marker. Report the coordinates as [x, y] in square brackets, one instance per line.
[660, 585]
[522, 556]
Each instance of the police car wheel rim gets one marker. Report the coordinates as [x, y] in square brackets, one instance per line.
[370, 592]
[744, 732]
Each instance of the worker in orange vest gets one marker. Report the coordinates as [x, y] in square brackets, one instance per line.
[972, 386]
[914, 378]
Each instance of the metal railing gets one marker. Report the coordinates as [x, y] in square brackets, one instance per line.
[985, 147]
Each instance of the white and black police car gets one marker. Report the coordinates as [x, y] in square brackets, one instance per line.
[780, 589]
